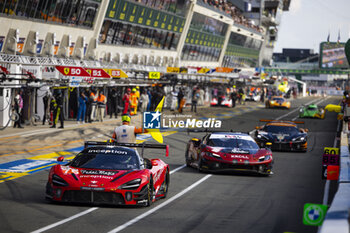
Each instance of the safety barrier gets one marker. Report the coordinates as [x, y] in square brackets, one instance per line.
[338, 215]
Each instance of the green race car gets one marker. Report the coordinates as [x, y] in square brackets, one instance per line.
[311, 111]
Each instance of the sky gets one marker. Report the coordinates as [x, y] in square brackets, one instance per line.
[308, 22]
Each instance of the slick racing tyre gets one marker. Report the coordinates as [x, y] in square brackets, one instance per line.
[165, 186]
[149, 201]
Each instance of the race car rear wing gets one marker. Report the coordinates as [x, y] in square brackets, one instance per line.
[141, 145]
[267, 120]
[212, 131]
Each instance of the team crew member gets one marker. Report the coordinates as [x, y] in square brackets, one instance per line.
[126, 133]
[134, 102]
[101, 105]
[58, 111]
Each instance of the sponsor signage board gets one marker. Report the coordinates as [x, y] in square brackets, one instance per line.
[72, 71]
[116, 73]
[97, 73]
[330, 158]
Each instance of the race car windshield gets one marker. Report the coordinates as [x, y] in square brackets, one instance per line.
[278, 99]
[312, 108]
[233, 143]
[281, 129]
[113, 160]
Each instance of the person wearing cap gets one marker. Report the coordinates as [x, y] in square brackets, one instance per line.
[126, 133]
[134, 101]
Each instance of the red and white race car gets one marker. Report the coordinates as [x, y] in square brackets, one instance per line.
[225, 102]
[110, 173]
[223, 151]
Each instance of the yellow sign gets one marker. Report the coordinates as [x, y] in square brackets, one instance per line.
[116, 73]
[173, 70]
[154, 75]
[331, 151]
[203, 70]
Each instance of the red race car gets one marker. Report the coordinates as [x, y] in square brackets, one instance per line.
[222, 151]
[110, 173]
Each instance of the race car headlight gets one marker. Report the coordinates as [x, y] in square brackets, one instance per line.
[133, 184]
[272, 101]
[301, 110]
[298, 139]
[264, 158]
[213, 155]
[58, 181]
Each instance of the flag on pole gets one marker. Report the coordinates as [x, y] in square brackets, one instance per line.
[328, 37]
[338, 37]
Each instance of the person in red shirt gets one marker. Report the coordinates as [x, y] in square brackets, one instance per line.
[126, 101]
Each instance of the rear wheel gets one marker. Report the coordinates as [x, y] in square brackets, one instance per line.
[165, 185]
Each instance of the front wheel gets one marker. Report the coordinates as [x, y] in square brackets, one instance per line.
[149, 201]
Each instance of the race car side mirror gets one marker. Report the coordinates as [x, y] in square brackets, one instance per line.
[148, 163]
[60, 159]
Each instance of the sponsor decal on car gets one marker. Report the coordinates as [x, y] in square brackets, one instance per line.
[109, 151]
[96, 177]
[239, 156]
[98, 172]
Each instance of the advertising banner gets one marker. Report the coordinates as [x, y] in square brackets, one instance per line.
[72, 71]
[98, 73]
[116, 73]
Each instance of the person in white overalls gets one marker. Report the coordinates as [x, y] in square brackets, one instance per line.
[126, 133]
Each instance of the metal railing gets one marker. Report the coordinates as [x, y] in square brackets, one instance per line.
[337, 218]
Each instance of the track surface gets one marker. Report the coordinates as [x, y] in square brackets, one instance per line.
[196, 202]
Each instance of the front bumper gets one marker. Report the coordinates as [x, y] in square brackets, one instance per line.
[285, 146]
[85, 195]
[264, 167]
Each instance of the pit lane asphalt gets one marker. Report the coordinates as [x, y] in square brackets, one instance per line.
[221, 203]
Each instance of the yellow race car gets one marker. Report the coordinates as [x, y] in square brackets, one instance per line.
[277, 102]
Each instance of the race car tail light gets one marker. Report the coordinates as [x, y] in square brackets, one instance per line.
[133, 184]
[58, 181]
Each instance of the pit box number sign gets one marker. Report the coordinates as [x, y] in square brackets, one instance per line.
[330, 157]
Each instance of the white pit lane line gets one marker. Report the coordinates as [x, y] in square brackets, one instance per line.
[133, 220]
[151, 211]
